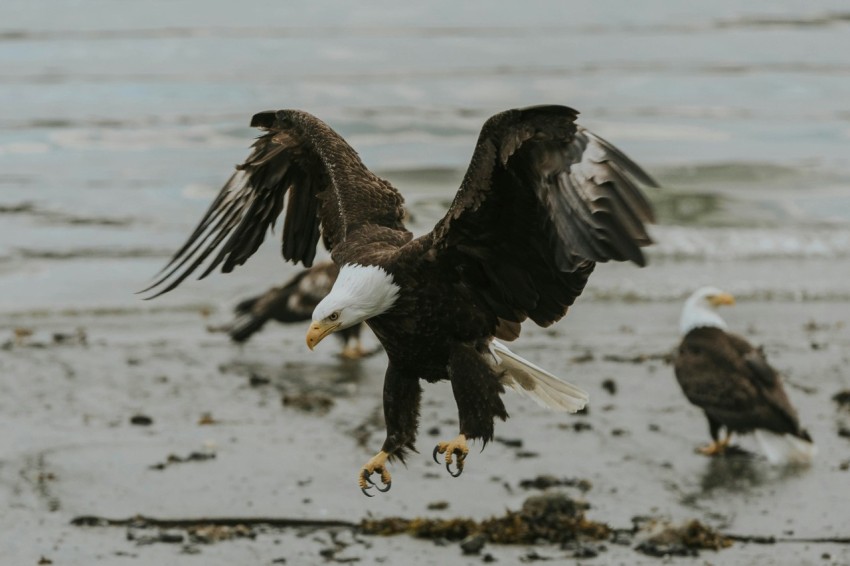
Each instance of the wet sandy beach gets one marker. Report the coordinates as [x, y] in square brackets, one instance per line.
[117, 127]
[71, 449]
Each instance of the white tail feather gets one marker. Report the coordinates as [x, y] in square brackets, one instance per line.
[785, 448]
[536, 383]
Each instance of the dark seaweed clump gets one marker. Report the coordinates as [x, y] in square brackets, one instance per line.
[553, 518]
[679, 540]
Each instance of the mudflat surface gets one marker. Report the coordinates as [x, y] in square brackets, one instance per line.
[70, 447]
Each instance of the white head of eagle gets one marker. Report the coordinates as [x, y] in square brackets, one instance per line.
[360, 292]
[699, 312]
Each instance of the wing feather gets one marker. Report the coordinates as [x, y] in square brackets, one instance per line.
[331, 194]
[542, 201]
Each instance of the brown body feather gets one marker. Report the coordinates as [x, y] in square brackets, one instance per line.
[731, 381]
[293, 301]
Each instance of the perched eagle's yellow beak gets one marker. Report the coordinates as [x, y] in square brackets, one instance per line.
[318, 331]
[721, 299]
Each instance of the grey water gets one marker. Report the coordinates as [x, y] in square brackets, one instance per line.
[119, 121]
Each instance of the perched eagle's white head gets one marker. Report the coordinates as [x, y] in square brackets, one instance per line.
[699, 309]
[360, 292]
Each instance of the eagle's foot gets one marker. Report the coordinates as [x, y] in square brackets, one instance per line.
[451, 448]
[716, 448]
[376, 464]
[354, 352]
[713, 449]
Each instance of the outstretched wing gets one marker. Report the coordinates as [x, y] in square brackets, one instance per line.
[542, 201]
[330, 192]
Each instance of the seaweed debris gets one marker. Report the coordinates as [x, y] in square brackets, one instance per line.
[554, 518]
[662, 538]
[547, 481]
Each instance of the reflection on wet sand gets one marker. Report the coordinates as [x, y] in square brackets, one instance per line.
[742, 472]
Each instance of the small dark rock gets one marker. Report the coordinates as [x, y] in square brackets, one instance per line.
[170, 537]
[844, 466]
[654, 427]
[586, 551]
[256, 380]
[623, 537]
[619, 432]
[510, 442]
[842, 398]
[844, 431]
[546, 481]
[660, 550]
[141, 420]
[533, 556]
[473, 543]
[433, 431]
[527, 454]
[309, 402]
[583, 358]
[438, 505]
[610, 386]
[488, 558]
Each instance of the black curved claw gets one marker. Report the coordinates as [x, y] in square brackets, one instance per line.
[385, 489]
[364, 475]
[459, 466]
[436, 451]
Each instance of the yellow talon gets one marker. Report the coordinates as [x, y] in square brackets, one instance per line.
[375, 464]
[457, 446]
[716, 448]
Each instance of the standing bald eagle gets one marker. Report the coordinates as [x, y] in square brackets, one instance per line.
[731, 381]
[542, 201]
[294, 301]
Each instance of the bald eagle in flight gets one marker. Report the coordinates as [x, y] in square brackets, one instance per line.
[542, 201]
[731, 381]
[294, 301]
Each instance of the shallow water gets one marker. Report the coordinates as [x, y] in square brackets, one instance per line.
[117, 125]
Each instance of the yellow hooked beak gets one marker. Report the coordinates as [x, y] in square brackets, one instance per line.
[318, 331]
[722, 299]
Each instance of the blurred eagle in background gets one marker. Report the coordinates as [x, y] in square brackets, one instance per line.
[542, 201]
[294, 301]
[731, 381]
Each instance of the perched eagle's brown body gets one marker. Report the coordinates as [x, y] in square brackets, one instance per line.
[542, 200]
[293, 301]
[732, 382]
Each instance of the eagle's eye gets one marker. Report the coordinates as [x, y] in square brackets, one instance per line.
[333, 316]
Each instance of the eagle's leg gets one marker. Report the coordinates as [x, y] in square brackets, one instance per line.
[353, 351]
[477, 391]
[717, 446]
[402, 395]
[352, 347]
